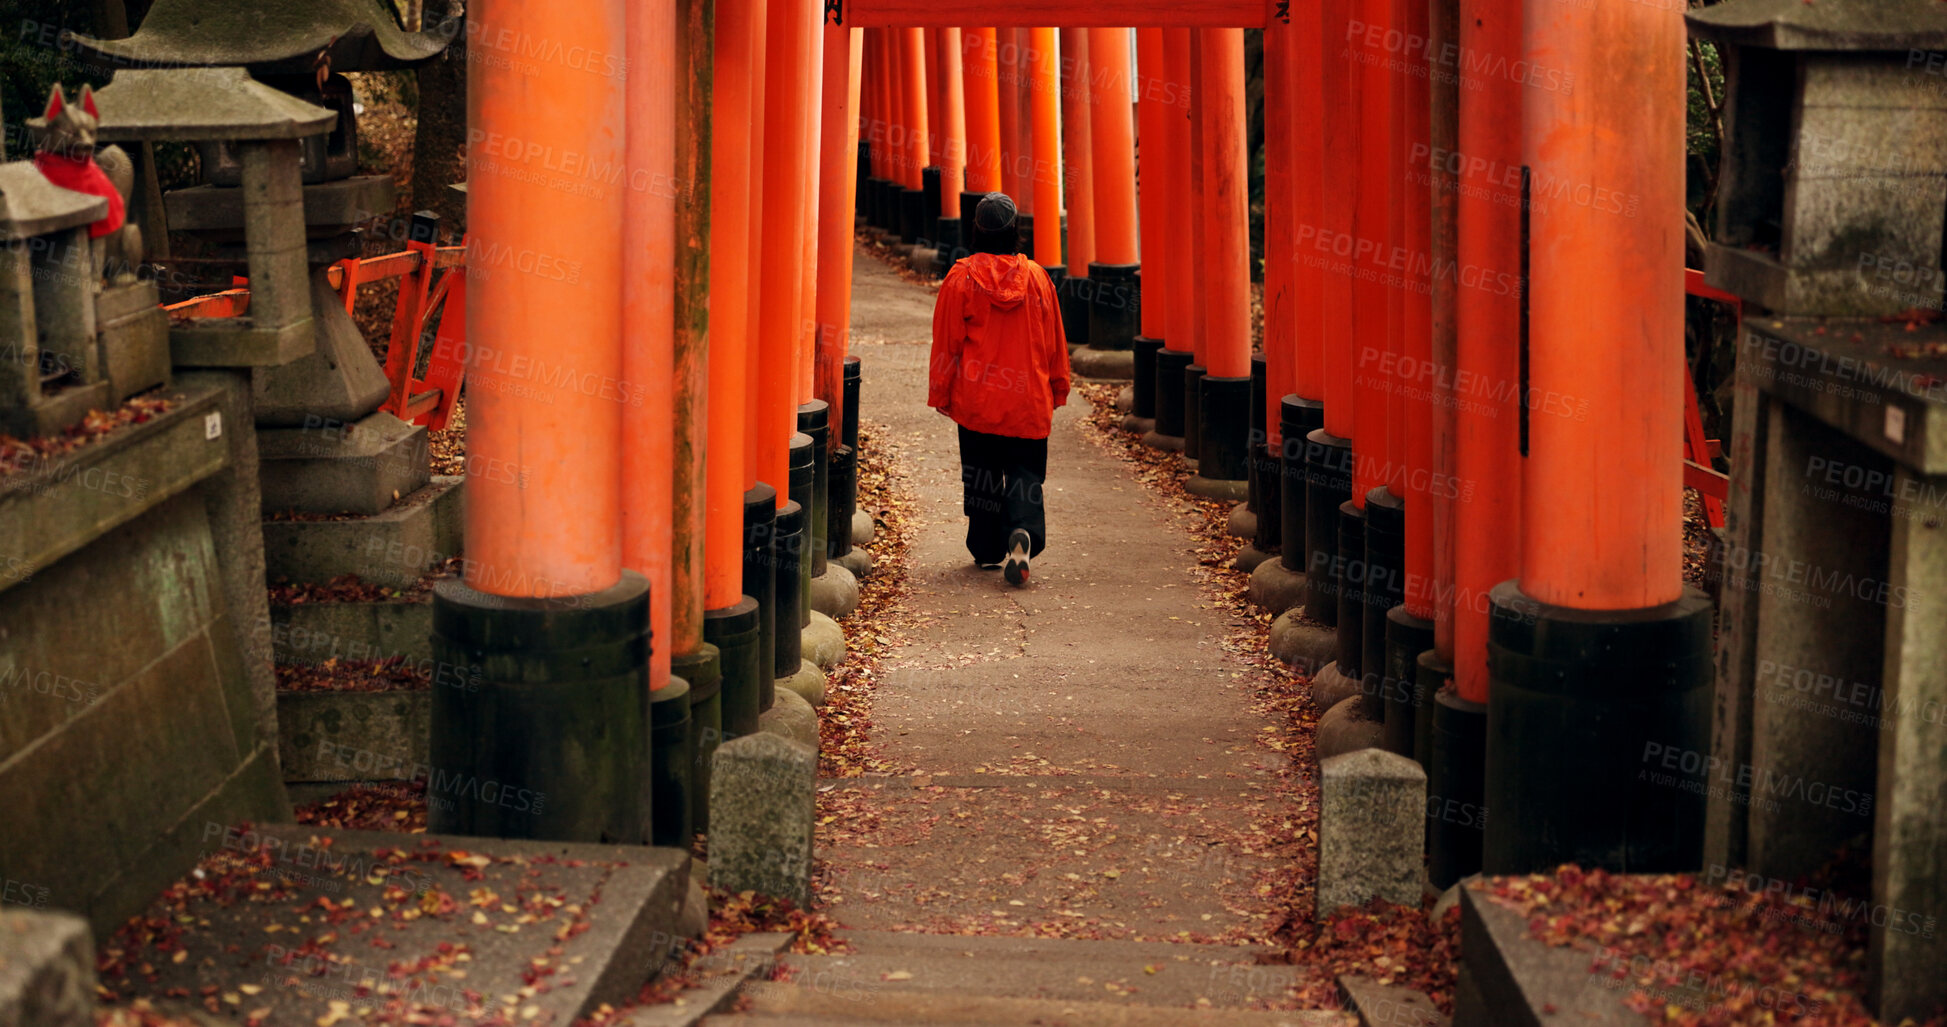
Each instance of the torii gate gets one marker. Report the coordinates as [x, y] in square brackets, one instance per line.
[1487, 392]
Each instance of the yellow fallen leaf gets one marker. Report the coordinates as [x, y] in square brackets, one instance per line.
[899, 975]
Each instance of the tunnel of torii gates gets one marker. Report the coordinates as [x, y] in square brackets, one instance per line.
[1471, 401]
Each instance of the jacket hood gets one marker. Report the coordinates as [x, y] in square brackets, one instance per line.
[1005, 280]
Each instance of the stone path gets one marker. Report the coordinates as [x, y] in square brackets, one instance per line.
[1082, 748]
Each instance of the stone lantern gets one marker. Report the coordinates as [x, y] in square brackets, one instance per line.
[50, 372]
[1832, 676]
[1835, 165]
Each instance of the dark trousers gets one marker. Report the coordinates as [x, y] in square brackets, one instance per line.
[1002, 479]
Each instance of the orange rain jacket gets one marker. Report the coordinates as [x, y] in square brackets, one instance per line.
[1000, 357]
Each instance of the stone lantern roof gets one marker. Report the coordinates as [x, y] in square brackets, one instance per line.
[360, 35]
[202, 103]
[1878, 25]
[30, 205]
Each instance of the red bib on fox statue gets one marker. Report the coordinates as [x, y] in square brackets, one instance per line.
[67, 156]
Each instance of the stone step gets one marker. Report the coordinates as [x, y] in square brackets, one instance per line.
[1078, 975]
[1508, 978]
[394, 547]
[809, 1004]
[590, 924]
[47, 969]
[315, 632]
[873, 943]
[354, 736]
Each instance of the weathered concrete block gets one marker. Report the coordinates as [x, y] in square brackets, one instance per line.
[1330, 687]
[791, 716]
[1222, 489]
[336, 467]
[47, 970]
[353, 736]
[762, 804]
[1250, 558]
[1347, 727]
[824, 642]
[861, 528]
[1371, 830]
[835, 593]
[1125, 399]
[1089, 362]
[394, 547]
[1275, 587]
[316, 632]
[1301, 642]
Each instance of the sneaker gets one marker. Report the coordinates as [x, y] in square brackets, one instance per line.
[1016, 568]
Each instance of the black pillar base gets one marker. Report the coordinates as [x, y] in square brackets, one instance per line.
[554, 741]
[1193, 421]
[952, 245]
[1407, 637]
[1382, 580]
[1432, 675]
[842, 501]
[802, 459]
[1224, 409]
[670, 761]
[1144, 383]
[1025, 222]
[1170, 365]
[1455, 804]
[851, 418]
[1598, 735]
[814, 420]
[864, 166]
[1297, 418]
[703, 669]
[760, 583]
[1115, 309]
[1076, 296]
[1346, 570]
[1265, 469]
[929, 190]
[789, 648]
[871, 202]
[1328, 485]
[912, 216]
[969, 201]
[737, 633]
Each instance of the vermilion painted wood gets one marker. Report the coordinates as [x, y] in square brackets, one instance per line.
[1042, 185]
[1152, 116]
[980, 85]
[647, 466]
[838, 153]
[757, 237]
[1605, 307]
[1332, 243]
[919, 119]
[1374, 337]
[1697, 450]
[953, 123]
[791, 25]
[1416, 305]
[1179, 333]
[554, 528]
[1227, 245]
[1015, 65]
[1112, 153]
[1307, 141]
[1278, 252]
[805, 342]
[1023, 143]
[1065, 13]
[726, 473]
[1077, 151]
[1487, 416]
[1199, 200]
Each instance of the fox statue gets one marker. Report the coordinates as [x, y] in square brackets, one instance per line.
[67, 156]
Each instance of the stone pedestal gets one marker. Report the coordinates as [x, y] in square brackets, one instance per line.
[763, 800]
[1370, 829]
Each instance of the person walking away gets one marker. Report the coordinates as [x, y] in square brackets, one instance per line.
[999, 369]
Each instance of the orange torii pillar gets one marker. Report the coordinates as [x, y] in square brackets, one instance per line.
[665, 318]
[952, 123]
[1487, 415]
[546, 620]
[838, 151]
[1179, 268]
[1153, 99]
[1013, 66]
[1072, 287]
[1199, 222]
[1406, 627]
[980, 87]
[809, 490]
[932, 182]
[1114, 260]
[1259, 519]
[1224, 390]
[911, 88]
[730, 618]
[1042, 183]
[1300, 413]
[1332, 245]
[1025, 147]
[1602, 654]
[876, 98]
